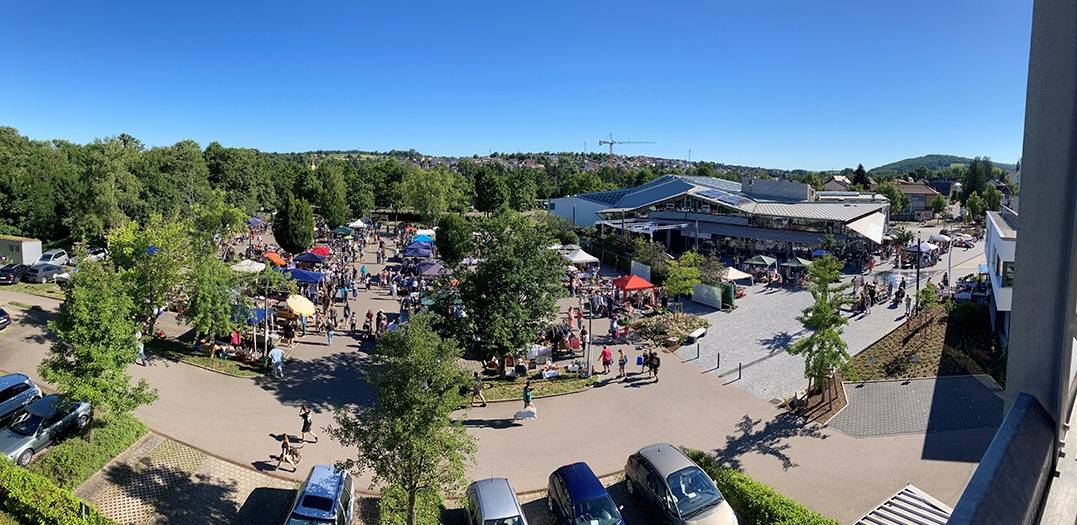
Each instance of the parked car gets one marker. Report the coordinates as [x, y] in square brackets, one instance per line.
[492, 501]
[12, 273]
[576, 496]
[65, 275]
[5, 319]
[678, 491]
[41, 273]
[56, 257]
[16, 391]
[42, 423]
[326, 498]
[96, 254]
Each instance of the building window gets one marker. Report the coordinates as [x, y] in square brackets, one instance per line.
[1007, 274]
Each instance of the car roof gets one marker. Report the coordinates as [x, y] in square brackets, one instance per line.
[580, 482]
[324, 481]
[12, 379]
[54, 250]
[665, 458]
[44, 266]
[496, 498]
[46, 405]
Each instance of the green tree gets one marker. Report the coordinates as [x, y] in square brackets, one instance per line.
[152, 260]
[360, 193]
[432, 192]
[860, 177]
[974, 208]
[516, 284]
[213, 219]
[992, 198]
[107, 189]
[293, 225]
[408, 437]
[491, 190]
[898, 200]
[243, 173]
[927, 297]
[210, 288]
[823, 348]
[332, 203]
[683, 274]
[95, 342]
[938, 205]
[454, 238]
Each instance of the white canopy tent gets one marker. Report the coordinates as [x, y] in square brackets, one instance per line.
[579, 256]
[870, 226]
[923, 247]
[429, 233]
[938, 237]
[357, 223]
[733, 274]
[248, 266]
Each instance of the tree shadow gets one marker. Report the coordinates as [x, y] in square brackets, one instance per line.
[324, 383]
[490, 423]
[176, 496]
[768, 439]
[780, 341]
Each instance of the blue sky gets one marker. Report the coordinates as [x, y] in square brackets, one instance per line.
[783, 84]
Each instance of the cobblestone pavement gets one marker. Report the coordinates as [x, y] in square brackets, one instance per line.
[161, 481]
[879, 408]
[764, 323]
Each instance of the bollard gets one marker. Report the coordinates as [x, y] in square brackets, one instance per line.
[740, 369]
[697, 349]
[718, 361]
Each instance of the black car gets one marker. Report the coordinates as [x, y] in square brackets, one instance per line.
[12, 273]
[5, 319]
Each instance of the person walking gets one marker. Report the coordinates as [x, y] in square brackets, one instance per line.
[607, 359]
[476, 391]
[528, 395]
[305, 414]
[276, 356]
[141, 348]
[622, 360]
[655, 363]
[646, 363]
[354, 320]
[287, 453]
[908, 304]
[329, 334]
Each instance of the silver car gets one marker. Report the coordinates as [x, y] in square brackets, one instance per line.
[679, 492]
[43, 422]
[16, 391]
[493, 502]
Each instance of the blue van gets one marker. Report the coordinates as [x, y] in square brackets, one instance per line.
[326, 498]
[576, 496]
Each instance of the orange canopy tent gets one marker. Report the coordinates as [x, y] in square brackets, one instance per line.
[321, 250]
[274, 258]
[631, 283]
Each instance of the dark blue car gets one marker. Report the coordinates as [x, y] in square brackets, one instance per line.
[576, 497]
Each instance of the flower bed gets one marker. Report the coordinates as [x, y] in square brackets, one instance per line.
[669, 329]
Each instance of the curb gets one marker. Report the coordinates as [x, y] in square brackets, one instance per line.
[204, 367]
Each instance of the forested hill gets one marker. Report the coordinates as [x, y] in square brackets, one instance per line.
[931, 162]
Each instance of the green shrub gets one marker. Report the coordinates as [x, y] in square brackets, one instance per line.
[71, 462]
[754, 502]
[393, 507]
[32, 498]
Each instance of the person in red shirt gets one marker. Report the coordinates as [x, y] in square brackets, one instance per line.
[607, 359]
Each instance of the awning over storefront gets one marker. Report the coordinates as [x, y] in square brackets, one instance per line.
[870, 226]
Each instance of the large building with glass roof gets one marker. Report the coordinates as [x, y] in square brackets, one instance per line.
[755, 215]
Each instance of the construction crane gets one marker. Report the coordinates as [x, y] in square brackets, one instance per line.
[611, 142]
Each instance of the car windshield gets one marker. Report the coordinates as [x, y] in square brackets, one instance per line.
[7, 268]
[597, 511]
[515, 520]
[27, 424]
[693, 491]
[303, 520]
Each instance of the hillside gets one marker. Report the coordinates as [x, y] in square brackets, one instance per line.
[931, 162]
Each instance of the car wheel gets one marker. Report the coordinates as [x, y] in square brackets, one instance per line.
[25, 457]
[81, 422]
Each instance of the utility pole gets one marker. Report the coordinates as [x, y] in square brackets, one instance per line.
[919, 256]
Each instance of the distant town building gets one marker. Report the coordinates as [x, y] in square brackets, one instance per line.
[837, 183]
[920, 196]
[947, 188]
[754, 215]
[999, 249]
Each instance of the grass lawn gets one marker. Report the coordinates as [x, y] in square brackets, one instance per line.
[507, 389]
[50, 290]
[8, 519]
[178, 351]
[72, 461]
[934, 343]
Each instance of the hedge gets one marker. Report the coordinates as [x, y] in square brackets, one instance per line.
[393, 507]
[754, 502]
[72, 461]
[34, 499]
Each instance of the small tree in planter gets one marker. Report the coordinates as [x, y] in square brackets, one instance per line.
[824, 349]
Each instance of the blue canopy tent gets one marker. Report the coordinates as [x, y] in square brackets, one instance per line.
[423, 238]
[819, 252]
[432, 269]
[308, 257]
[304, 276]
[255, 221]
[418, 249]
[245, 314]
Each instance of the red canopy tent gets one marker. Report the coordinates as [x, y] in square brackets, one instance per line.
[631, 283]
[320, 250]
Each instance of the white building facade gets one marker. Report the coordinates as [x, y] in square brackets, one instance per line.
[999, 248]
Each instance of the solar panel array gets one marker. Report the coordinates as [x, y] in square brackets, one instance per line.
[723, 197]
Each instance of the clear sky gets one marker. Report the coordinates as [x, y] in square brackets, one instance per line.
[783, 83]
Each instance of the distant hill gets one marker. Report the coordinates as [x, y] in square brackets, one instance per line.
[932, 162]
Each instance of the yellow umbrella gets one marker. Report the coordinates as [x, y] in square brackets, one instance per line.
[300, 305]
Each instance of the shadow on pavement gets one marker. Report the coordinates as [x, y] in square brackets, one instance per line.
[780, 341]
[176, 496]
[768, 439]
[490, 423]
[965, 404]
[323, 383]
[265, 505]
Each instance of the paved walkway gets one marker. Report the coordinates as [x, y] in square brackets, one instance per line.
[879, 408]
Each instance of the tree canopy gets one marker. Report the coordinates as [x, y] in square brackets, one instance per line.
[823, 348]
[293, 226]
